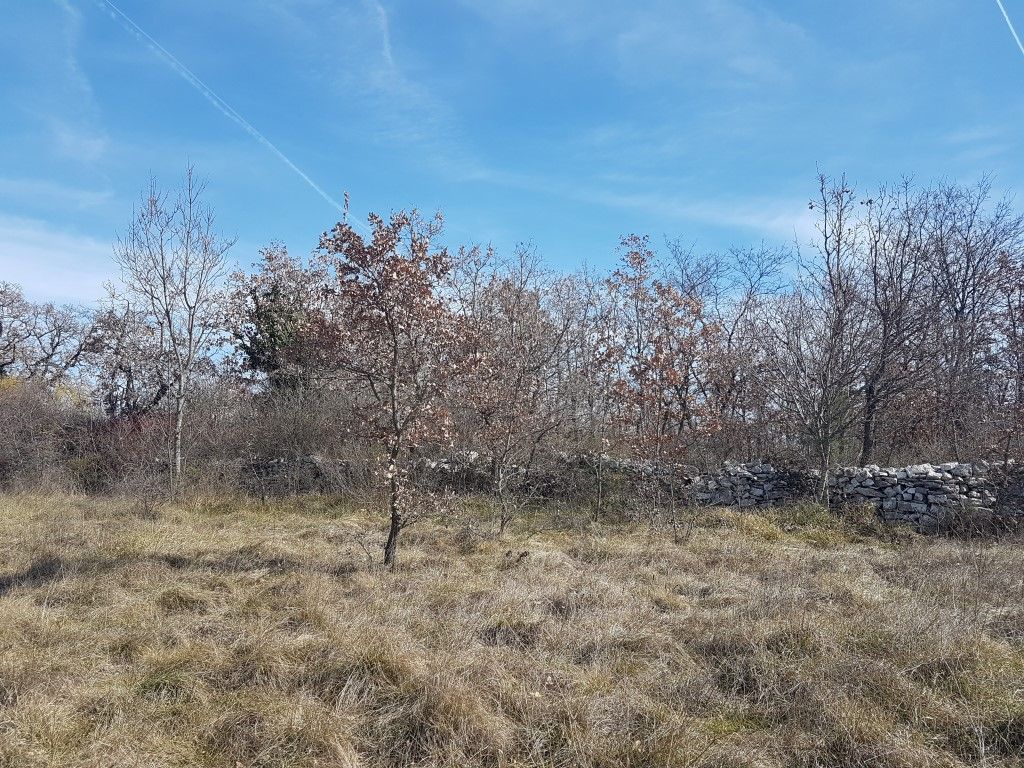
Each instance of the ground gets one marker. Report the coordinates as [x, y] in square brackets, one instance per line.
[229, 633]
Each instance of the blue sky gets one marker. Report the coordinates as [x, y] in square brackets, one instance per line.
[565, 123]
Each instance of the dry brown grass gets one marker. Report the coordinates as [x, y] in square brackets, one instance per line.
[228, 634]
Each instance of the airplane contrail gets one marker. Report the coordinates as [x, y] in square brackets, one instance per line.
[208, 93]
[1009, 23]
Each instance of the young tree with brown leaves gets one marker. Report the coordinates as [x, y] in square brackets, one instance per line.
[392, 333]
[663, 342]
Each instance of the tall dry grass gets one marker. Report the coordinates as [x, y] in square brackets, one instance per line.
[224, 633]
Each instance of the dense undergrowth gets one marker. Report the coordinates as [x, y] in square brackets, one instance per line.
[227, 633]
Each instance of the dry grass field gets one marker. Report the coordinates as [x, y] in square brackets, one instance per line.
[226, 633]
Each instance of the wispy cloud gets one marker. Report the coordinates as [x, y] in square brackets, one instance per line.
[51, 263]
[780, 219]
[979, 147]
[379, 87]
[47, 91]
[71, 32]
[78, 141]
[53, 194]
[74, 116]
[654, 41]
[384, 30]
[574, 20]
[726, 41]
[409, 111]
[974, 134]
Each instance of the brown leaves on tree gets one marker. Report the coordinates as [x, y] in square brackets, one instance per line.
[390, 329]
[664, 345]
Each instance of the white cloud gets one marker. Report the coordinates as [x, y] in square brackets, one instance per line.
[71, 31]
[52, 264]
[573, 20]
[784, 220]
[407, 109]
[78, 142]
[75, 123]
[653, 41]
[724, 40]
[384, 30]
[41, 44]
[52, 194]
[370, 75]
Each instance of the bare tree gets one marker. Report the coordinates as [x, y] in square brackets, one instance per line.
[895, 255]
[732, 289]
[1011, 291]
[901, 337]
[967, 236]
[38, 341]
[585, 370]
[13, 334]
[816, 334]
[511, 395]
[172, 259]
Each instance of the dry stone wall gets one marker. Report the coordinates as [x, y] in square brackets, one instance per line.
[927, 496]
[930, 497]
[750, 485]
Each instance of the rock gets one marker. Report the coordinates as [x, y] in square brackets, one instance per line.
[915, 507]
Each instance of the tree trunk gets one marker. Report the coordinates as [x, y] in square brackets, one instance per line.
[505, 517]
[392, 544]
[179, 421]
[825, 460]
[396, 514]
[504, 510]
[867, 445]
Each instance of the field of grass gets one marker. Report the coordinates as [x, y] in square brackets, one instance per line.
[239, 635]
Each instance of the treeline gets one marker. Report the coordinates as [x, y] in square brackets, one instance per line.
[898, 336]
